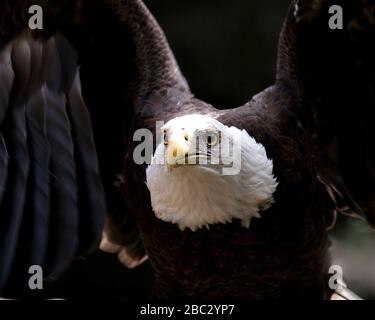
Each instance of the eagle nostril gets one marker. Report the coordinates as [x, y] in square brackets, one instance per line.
[175, 153]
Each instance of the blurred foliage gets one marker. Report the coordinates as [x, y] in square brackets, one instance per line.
[352, 248]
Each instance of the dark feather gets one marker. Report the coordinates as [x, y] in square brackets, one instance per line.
[91, 193]
[39, 185]
[64, 221]
[332, 72]
[34, 234]
[4, 160]
[15, 133]
[6, 82]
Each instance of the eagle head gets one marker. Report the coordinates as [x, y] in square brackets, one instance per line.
[204, 172]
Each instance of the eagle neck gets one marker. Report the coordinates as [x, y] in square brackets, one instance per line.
[156, 65]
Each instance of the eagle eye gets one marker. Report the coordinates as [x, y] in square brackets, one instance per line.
[212, 139]
[165, 137]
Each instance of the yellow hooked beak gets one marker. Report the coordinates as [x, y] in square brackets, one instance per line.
[176, 148]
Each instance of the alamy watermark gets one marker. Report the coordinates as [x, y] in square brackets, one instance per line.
[36, 19]
[36, 278]
[336, 281]
[210, 148]
[336, 21]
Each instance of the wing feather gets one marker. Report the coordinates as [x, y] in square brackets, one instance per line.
[64, 220]
[91, 196]
[15, 134]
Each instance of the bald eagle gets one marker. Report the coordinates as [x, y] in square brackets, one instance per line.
[232, 203]
[260, 231]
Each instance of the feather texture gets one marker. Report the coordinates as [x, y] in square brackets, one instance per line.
[52, 201]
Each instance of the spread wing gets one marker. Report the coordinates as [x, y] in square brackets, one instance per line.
[51, 198]
[331, 72]
[52, 202]
[67, 93]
